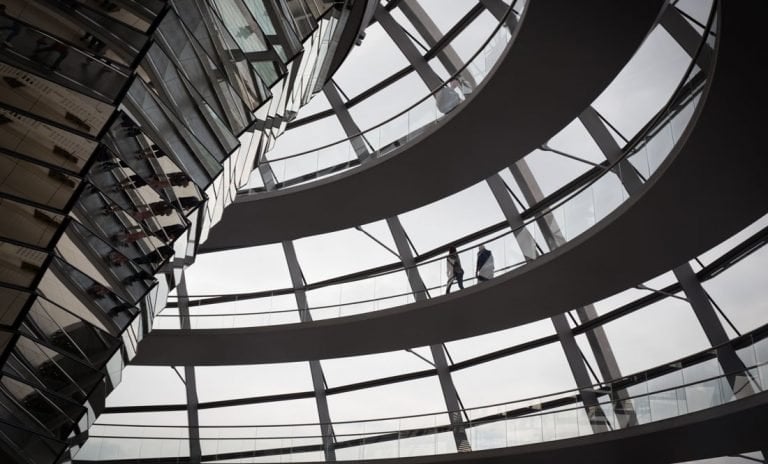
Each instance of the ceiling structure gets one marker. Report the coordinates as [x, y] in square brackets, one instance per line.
[247, 298]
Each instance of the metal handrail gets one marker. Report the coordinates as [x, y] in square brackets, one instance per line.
[637, 141]
[540, 214]
[533, 401]
[453, 77]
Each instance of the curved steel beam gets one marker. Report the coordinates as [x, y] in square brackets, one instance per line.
[729, 429]
[563, 55]
[711, 186]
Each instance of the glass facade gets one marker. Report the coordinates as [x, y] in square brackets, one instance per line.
[129, 126]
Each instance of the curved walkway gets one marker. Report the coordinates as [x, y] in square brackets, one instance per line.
[729, 429]
[713, 184]
[581, 196]
[674, 405]
[585, 45]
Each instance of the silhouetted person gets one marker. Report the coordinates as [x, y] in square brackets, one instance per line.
[139, 276]
[158, 208]
[178, 179]
[484, 270]
[126, 238]
[114, 163]
[188, 202]
[116, 259]
[447, 98]
[119, 308]
[98, 291]
[157, 256]
[454, 270]
[174, 179]
[171, 232]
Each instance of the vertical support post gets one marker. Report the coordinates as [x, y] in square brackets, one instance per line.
[190, 382]
[315, 369]
[573, 355]
[406, 256]
[345, 118]
[450, 395]
[419, 290]
[268, 176]
[597, 338]
[524, 238]
[498, 9]
[714, 330]
[412, 54]
[423, 23]
[611, 150]
[702, 308]
[685, 35]
[193, 419]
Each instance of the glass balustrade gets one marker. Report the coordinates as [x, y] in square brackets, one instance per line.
[35, 51]
[567, 218]
[686, 386]
[385, 137]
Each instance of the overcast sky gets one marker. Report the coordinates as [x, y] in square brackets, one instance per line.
[652, 336]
